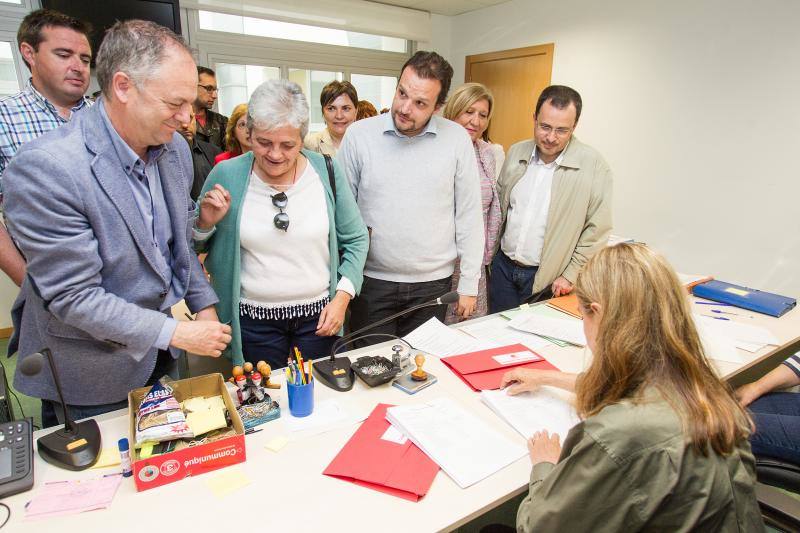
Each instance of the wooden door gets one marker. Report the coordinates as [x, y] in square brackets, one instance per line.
[516, 77]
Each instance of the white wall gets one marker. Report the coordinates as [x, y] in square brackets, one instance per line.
[694, 105]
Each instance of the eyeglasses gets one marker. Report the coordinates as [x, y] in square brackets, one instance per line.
[280, 201]
[547, 129]
[209, 88]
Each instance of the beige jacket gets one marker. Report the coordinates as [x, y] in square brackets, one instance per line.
[320, 142]
[579, 220]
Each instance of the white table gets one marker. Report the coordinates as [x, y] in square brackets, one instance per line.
[288, 491]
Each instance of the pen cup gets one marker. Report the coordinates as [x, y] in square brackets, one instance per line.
[301, 399]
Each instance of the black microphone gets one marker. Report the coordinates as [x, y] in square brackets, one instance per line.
[77, 445]
[337, 373]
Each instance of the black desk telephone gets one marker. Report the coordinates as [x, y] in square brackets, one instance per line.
[16, 456]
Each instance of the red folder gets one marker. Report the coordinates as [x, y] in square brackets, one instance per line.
[483, 371]
[370, 461]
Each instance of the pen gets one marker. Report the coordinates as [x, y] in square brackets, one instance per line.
[717, 317]
[729, 313]
[252, 430]
[713, 303]
[190, 317]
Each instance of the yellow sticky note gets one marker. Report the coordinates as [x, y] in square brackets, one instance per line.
[277, 444]
[108, 457]
[227, 481]
[737, 292]
[201, 422]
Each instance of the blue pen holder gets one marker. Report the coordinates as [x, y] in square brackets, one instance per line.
[301, 399]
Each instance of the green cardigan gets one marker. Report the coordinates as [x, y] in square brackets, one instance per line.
[347, 235]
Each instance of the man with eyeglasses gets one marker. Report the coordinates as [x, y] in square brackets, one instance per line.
[210, 124]
[555, 196]
[203, 155]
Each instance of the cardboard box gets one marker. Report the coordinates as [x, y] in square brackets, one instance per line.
[166, 468]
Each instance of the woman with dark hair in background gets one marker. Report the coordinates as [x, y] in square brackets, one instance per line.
[339, 102]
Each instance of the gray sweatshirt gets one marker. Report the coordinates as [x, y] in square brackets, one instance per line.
[421, 198]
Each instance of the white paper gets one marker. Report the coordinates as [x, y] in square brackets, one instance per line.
[719, 347]
[496, 329]
[529, 412]
[392, 434]
[327, 416]
[737, 331]
[438, 340]
[688, 279]
[463, 445]
[565, 329]
[516, 357]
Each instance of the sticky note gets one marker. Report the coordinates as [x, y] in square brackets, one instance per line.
[277, 444]
[737, 292]
[201, 422]
[228, 481]
[108, 457]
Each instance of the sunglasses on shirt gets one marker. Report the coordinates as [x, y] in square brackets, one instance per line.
[280, 201]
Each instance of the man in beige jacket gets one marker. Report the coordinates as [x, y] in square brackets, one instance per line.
[555, 196]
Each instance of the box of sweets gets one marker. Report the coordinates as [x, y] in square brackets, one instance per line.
[197, 459]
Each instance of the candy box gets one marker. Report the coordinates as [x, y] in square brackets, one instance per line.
[169, 467]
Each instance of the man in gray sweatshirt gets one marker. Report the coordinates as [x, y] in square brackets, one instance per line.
[415, 178]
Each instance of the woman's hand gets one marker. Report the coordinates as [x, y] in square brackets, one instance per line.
[332, 317]
[523, 380]
[213, 207]
[544, 448]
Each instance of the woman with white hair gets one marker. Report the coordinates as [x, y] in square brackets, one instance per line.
[285, 240]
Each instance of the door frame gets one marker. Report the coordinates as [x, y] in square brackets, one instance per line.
[546, 50]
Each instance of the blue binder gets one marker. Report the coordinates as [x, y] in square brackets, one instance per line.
[745, 297]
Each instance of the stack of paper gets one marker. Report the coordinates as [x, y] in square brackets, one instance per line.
[529, 412]
[328, 415]
[565, 329]
[463, 445]
[59, 498]
[435, 338]
[497, 330]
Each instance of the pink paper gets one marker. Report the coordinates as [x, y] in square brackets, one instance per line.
[69, 497]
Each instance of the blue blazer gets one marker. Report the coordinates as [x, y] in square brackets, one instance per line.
[93, 290]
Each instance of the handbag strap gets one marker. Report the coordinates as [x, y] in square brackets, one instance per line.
[331, 178]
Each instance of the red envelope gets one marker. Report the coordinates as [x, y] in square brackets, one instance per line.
[370, 461]
[484, 370]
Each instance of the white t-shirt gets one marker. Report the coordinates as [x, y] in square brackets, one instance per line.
[285, 268]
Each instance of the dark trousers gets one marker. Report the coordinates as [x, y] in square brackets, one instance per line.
[380, 299]
[777, 420]
[509, 284]
[53, 414]
[271, 339]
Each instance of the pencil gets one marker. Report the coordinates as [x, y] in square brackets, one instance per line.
[310, 364]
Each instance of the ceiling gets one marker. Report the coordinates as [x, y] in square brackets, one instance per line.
[442, 7]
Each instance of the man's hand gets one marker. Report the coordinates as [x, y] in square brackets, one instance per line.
[466, 306]
[561, 287]
[332, 317]
[209, 313]
[544, 448]
[214, 206]
[747, 394]
[201, 337]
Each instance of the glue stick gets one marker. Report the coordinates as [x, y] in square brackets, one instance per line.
[125, 457]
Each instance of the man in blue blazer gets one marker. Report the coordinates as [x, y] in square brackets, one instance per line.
[100, 209]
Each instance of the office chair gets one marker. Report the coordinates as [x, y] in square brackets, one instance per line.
[778, 509]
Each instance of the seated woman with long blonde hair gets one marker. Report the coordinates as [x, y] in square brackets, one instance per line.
[663, 442]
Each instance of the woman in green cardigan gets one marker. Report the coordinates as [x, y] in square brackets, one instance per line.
[286, 250]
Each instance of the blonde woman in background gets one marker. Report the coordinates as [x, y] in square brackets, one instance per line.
[663, 442]
[471, 106]
[237, 138]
